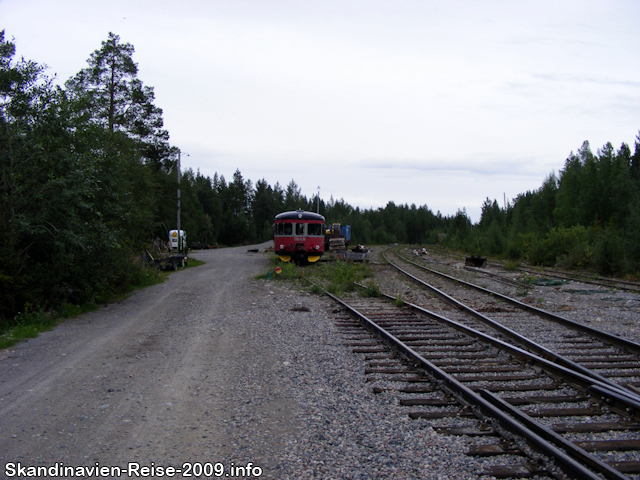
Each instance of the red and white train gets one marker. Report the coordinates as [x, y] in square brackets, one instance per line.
[299, 236]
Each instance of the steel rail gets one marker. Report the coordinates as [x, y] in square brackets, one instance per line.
[482, 406]
[550, 435]
[496, 277]
[605, 282]
[624, 399]
[602, 335]
[522, 340]
[583, 278]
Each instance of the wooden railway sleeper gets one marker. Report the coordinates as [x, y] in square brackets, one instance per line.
[481, 406]
[594, 427]
[540, 350]
[552, 436]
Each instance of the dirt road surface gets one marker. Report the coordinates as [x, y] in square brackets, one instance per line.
[158, 379]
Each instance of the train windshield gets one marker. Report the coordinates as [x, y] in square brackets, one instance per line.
[299, 229]
[314, 228]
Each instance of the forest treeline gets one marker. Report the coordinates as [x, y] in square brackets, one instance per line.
[587, 216]
[88, 179]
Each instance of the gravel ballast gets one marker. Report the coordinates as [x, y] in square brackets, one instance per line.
[345, 431]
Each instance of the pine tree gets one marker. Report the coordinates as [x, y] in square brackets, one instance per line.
[108, 93]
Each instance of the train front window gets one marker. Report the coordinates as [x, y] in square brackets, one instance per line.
[288, 229]
[314, 228]
[300, 228]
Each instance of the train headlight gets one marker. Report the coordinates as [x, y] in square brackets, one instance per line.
[281, 247]
[317, 247]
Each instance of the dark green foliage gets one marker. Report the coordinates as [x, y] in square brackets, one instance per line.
[108, 93]
[587, 217]
[75, 197]
[267, 202]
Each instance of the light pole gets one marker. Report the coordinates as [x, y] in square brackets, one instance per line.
[178, 222]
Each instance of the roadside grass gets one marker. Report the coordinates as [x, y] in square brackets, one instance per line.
[287, 271]
[194, 263]
[26, 325]
[33, 320]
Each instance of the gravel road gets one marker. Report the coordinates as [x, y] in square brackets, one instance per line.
[212, 366]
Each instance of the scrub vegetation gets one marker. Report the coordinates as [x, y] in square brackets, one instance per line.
[88, 180]
[372, 289]
[336, 277]
[339, 276]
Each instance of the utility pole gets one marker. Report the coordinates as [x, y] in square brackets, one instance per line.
[178, 220]
[318, 199]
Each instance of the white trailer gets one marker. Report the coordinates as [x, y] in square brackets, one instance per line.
[177, 243]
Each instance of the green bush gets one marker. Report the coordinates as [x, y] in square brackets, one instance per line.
[518, 245]
[398, 302]
[608, 253]
[372, 289]
[570, 243]
[511, 265]
[33, 319]
[69, 310]
[578, 257]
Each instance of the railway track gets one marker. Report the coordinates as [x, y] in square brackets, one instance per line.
[601, 355]
[585, 278]
[527, 415]
[539, 394]
[601, 281]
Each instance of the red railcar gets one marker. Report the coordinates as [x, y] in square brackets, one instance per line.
[299, 236]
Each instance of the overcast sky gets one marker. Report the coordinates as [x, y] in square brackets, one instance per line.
[443, 103]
